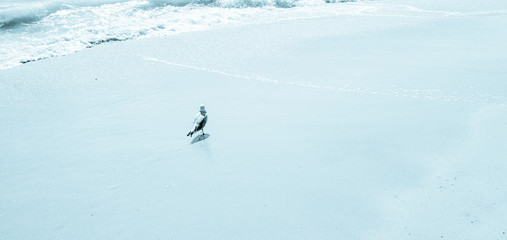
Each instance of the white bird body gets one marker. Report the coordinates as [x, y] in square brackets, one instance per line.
[198, 118]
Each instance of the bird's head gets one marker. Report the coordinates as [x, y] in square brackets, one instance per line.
[202, 110]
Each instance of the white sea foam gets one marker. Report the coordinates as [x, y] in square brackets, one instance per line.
[31, 30]
[45, 29]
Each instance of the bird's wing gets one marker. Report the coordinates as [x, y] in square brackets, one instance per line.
[198, 118]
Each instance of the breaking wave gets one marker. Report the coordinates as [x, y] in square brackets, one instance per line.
[31, 30]
[19, 14]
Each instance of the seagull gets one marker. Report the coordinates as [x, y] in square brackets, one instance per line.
[199, 121]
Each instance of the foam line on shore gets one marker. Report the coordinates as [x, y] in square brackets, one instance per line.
[261, 79]
[427, 94]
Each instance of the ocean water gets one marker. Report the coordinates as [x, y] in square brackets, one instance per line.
[31, 30]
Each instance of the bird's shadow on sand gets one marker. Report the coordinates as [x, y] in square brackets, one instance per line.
[199, 138]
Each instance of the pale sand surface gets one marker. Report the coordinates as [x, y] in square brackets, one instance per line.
[377, 130]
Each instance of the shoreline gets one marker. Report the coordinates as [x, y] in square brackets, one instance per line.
[21, 49]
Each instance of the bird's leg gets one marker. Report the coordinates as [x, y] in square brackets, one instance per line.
[202, 131]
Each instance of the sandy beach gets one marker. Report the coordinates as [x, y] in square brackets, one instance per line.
[372, 126]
